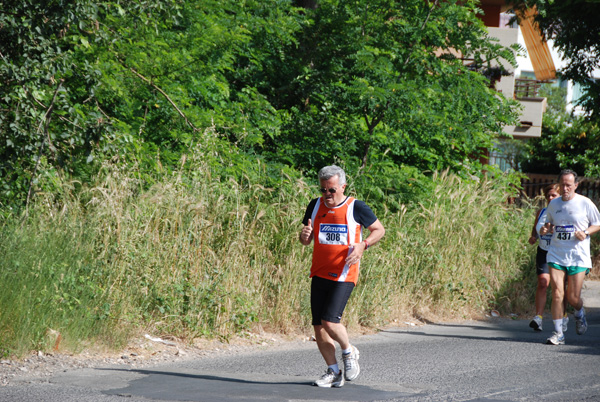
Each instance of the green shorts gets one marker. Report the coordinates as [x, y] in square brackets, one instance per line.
[574, 270]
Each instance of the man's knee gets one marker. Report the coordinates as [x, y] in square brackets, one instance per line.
[327, 325]
[574, 300]
[558, 292]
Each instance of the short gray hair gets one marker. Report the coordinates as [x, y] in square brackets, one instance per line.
[566, 172]
[328, 172]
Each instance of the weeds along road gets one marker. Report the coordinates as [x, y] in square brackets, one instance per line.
[498, 360]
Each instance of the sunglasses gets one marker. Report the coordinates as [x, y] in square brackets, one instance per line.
[331, 190]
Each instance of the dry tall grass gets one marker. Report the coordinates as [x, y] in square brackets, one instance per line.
[200, 257]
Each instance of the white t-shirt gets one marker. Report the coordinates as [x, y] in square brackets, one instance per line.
[579, 213]
[544, 242]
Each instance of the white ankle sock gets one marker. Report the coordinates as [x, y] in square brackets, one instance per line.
[558, 326]
[335, 368]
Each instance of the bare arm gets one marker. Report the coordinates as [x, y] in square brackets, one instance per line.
[533, 236]
[376, 232]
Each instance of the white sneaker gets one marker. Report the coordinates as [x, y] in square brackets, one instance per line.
[556, 339]
[565, 323]
[351, 367]
[536, 323]
[330, 379]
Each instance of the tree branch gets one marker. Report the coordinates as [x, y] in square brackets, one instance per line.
[435, 4]
[163, 93]
[46, 122]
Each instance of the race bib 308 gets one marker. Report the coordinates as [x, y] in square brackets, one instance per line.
[333, 234]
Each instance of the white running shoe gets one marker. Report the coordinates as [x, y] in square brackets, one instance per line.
[351, 367]
[556, 339]
[330, 379]
[536, 323]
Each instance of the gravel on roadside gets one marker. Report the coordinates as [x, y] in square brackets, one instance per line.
[141, 352]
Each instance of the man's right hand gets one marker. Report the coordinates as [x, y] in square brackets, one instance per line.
[548, 228]
[306, 233]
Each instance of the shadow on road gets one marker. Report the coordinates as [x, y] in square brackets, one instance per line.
[205, 377]
[184, 386]
[510, 330]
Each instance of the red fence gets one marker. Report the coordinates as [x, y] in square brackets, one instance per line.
[534, 184]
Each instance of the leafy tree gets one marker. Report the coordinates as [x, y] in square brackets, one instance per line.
[379, 80]
[181, 67]
[556, 98]
[143, 80]
[376, 86]
[566, 142]
[48, 112]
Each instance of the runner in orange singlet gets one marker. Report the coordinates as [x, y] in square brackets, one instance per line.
[334, 222]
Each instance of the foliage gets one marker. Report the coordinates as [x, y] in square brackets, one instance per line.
[160, 148]
[566, 143]
[49, 118]
[380, 82]
[556, 98]
[88, 81]
[454, 247]
[348, 82]
[176, 71]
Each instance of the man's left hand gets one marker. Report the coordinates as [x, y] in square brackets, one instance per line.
[356, 253]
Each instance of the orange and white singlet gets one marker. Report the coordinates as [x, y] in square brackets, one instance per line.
[334, 230]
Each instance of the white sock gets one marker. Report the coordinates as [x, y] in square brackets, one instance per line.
[579, 313]
[558, 326]
[335, 368]
[347, 351]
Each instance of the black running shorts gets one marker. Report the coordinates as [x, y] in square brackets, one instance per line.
[541, 266]
[328, 299]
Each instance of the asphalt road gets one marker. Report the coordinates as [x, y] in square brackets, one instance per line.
[497, 360]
